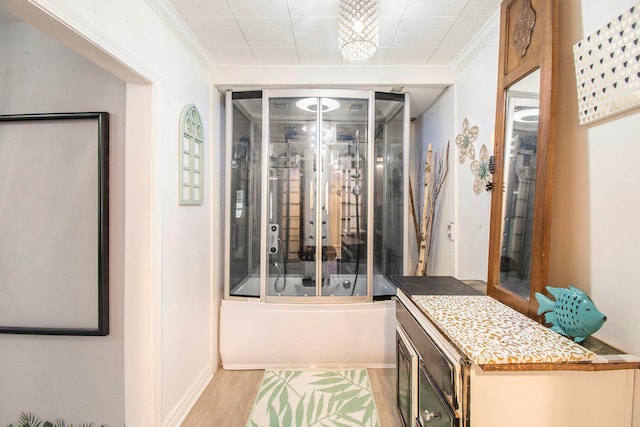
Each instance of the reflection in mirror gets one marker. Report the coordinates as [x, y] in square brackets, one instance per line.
[519, 177]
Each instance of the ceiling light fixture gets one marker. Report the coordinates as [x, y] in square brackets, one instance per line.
[311, 104]
[527, 115]
[358, 29]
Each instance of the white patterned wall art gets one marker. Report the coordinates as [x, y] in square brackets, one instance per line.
[465, 139]
[607, 67]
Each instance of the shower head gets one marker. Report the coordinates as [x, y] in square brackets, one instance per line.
[240, 152]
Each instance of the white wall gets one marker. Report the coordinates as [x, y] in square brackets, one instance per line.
[137, 39]
[79, 379]
[472, 97]
[436, 127]
[475, 101]
[594, 241]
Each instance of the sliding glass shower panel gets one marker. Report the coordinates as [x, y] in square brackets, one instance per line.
[389, 184]
[344, 196]
[291, 202]
[244, 216]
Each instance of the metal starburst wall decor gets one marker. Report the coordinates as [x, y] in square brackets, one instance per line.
[481, 170]
[465, 140]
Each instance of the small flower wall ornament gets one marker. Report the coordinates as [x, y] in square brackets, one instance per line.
[480, 169]
[464, 141]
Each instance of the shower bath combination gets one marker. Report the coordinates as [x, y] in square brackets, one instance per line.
[315, 214]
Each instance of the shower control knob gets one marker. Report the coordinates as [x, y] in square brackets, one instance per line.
[273, 238]
[428, 415]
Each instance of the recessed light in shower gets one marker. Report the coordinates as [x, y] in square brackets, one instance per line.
[311, 104]
[527, 115]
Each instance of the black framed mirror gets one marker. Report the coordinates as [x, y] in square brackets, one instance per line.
[524, 141]
[54, 224]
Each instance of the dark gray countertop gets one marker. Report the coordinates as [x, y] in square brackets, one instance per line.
[435, 285]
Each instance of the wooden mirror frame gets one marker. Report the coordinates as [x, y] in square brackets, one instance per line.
[518, 59]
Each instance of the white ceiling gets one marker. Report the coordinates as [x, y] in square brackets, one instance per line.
[305, 32]
[240, 33]
[6, 17]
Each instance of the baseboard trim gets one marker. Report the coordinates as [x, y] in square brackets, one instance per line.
[179, 414]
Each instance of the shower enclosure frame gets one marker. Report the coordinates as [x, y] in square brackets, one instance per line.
[266, 96]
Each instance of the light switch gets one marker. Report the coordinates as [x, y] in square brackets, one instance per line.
[451, 231]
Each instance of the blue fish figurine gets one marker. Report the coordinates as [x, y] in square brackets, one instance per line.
[572, 313]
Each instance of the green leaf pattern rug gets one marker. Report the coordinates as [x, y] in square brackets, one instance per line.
[312, 398]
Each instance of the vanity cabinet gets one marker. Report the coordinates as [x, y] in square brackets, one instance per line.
[486, 374]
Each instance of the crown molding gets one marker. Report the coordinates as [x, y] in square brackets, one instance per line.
[174, 21]
[487, 34]
[332, 75]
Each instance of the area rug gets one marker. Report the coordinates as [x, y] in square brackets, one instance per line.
[311, 398]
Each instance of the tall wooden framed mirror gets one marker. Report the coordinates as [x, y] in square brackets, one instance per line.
[524, 146]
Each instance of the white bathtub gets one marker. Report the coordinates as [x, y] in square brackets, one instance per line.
[258, 335]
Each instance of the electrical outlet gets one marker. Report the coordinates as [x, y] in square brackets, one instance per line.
[451, 231]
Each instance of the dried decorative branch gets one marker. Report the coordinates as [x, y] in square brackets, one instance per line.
[435, 175]
[412, 207]
[424, 231]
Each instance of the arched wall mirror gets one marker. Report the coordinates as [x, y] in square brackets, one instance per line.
[524, 140]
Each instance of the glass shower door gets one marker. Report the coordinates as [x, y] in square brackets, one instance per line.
[290, 204]
[344, 157]
[316, 200]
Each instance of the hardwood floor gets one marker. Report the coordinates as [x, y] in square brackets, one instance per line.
[227, 400]
[383, 386]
